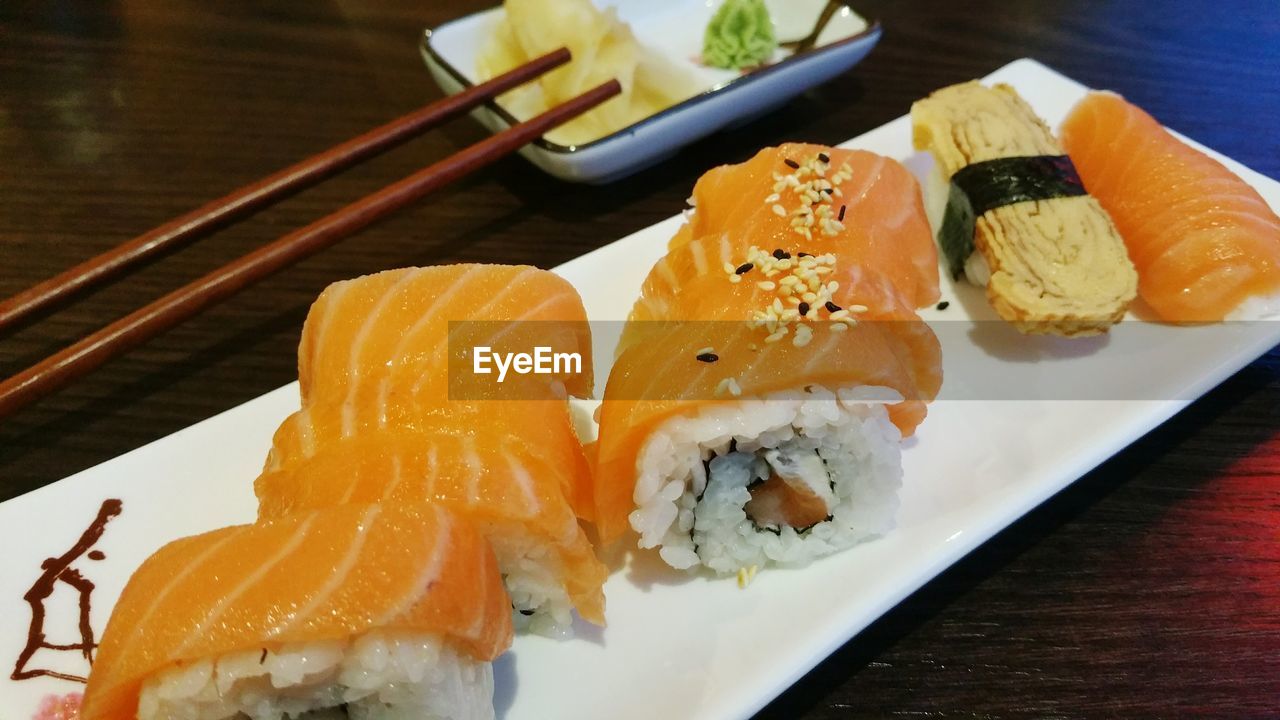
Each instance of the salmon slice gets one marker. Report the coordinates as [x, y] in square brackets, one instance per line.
[1202, 239]
[544, 427]
[884, 225]
[379, 354]
[509, 486]
[327, 575]
[375, 345]
[659, 376]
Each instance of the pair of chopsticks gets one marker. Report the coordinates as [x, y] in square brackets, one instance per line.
[153, 319]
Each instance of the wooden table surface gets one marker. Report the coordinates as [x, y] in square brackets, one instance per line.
[1151, 587]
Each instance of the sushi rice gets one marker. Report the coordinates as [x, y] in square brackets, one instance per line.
[533, 578]
[378, 676]
[695, 474]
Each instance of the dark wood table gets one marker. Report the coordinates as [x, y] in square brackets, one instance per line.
[1151, 587]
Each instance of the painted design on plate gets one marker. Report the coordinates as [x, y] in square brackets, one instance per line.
[60, 570]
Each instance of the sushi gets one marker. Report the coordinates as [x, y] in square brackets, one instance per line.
[756, 408]
[821, 199]
[1018, 220]
[384, 418]
[506, 485]
[357, 611]
[1206, 244]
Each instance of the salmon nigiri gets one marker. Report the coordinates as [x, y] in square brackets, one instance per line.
[818, 199]
[390, 412]
[366, 608]
[1205, 243]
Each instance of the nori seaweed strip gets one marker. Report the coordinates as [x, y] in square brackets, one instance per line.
[990, 184]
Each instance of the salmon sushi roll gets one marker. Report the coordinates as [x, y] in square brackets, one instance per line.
[506, 485]
[357, 611]
[391, 413]
[755, 414]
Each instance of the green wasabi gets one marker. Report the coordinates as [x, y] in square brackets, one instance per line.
[739, 35]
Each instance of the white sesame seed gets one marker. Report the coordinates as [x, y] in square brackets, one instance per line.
[809, 297]
[833, 286]
[837, 327]
[779, 211]
[729, 268]
[803, 336]
[775, 197]
[776, 336]
[766, 285]
[839, 314]
[705, 350]
[857, 308]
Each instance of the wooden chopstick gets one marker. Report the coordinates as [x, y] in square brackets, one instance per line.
[257, 195]
[134, 329]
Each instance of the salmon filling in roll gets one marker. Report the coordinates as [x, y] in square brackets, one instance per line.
[782, 479]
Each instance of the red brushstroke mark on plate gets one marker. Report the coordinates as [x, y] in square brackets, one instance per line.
[57, 570]
[59, 707]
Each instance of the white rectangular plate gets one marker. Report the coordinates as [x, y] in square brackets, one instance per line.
[675, 646]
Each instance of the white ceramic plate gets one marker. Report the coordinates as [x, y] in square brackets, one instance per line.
[672, 28]
[675, 646]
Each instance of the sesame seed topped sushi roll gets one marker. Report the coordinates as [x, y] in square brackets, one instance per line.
[772, 365]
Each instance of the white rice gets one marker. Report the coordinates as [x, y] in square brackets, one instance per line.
[377, 676]
[695, 473]
[1256, 307]
[531, 572]
[937, 192]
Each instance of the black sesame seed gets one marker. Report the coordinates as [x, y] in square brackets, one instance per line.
[708, 357]
[832, 307]
[829, 191]
[743, 269]
[526, 613]
[824, 158]
[792, 164]
[842, 209]
[781, 254]
[803, 308]
[944, 304]
[803, 254]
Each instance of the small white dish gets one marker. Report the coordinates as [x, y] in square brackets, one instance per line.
[673, 29]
